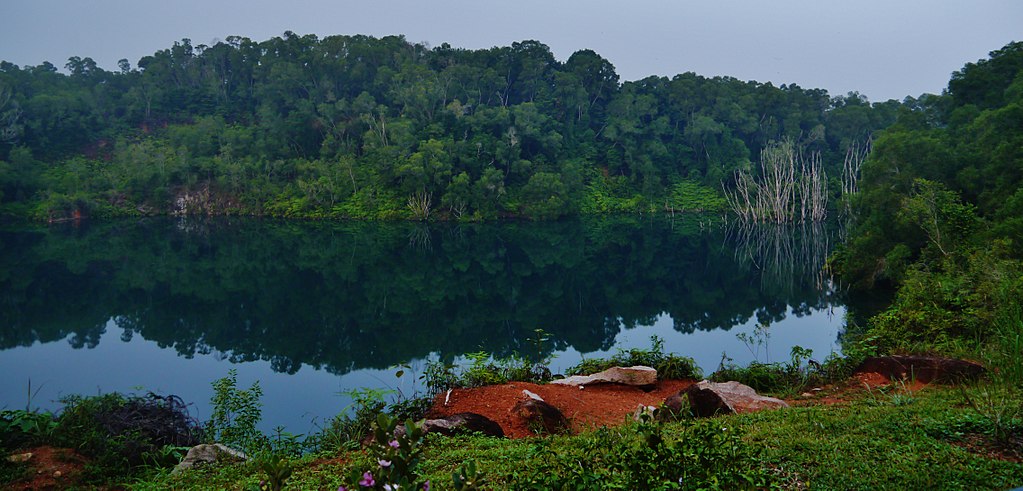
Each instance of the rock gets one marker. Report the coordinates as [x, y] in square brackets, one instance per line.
[207, 453]
[674, 405]
[532, 395]
[463, 423]
[644, 412]
[709, 398]
[19, 458]
[57, 474]
[924, 369]
[638, 375]
[541, 416]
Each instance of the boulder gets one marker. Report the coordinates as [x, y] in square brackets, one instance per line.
[453, 425]
[674, 406]
[638, 376]
[710, 398]
[463, 423]
[541, 416]
[924, 369]
[207, 453]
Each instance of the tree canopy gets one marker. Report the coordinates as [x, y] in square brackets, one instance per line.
[357, 126]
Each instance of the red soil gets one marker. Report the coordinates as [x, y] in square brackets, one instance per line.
[51, 468]
[592, 407]
[612, 404]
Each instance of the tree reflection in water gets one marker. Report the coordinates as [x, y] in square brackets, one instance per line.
[343, 296]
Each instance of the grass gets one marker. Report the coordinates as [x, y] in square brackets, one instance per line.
[873, 440]
[965, 437]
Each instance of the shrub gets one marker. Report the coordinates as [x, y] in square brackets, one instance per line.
[236, 412]
[650, 454]
[122, 433]
[668, 366]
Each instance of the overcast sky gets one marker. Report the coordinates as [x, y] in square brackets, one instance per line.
[881, 48]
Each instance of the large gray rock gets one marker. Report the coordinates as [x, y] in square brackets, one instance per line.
[638, 375]
[924, 369]
[710, 398]
[207, 453]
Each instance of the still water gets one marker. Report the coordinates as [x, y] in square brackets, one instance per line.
[312, 310]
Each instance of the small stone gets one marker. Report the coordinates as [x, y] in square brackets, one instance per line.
[57, 474]
[533, 395]
[21, 457]
[644, 410]
[806, 394]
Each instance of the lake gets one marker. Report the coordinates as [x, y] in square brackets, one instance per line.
[312, 310]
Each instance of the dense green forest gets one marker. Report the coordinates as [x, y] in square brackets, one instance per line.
[360, 127]
[940, 216]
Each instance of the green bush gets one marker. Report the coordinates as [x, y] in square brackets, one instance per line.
[122, 433]
[692, 196]
[649, 454]
[953, 308]
[668, 366]
[236, 412]
[485, 370]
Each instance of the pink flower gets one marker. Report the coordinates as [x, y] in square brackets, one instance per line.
[342, 488]
[384, 463]
[367, 480]
[393, 444]
[426, 486]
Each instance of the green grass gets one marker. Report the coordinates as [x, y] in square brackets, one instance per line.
[876, 440]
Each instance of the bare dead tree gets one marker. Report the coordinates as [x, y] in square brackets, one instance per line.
[790, 187]
[855, 155]
[420, 205]
[814, 192]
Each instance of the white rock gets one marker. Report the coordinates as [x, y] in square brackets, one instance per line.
[637, 375]
[533, 395]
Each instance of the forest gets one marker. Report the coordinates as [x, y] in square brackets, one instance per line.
[928, 190]
[368, 128]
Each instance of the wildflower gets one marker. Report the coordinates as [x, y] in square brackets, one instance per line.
[367, 480]
[342, 488]
[384, 463]
[391, 487]
[426, 486]
[393, 444]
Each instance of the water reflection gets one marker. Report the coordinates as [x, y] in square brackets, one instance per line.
[364, 295]
[352, 299]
